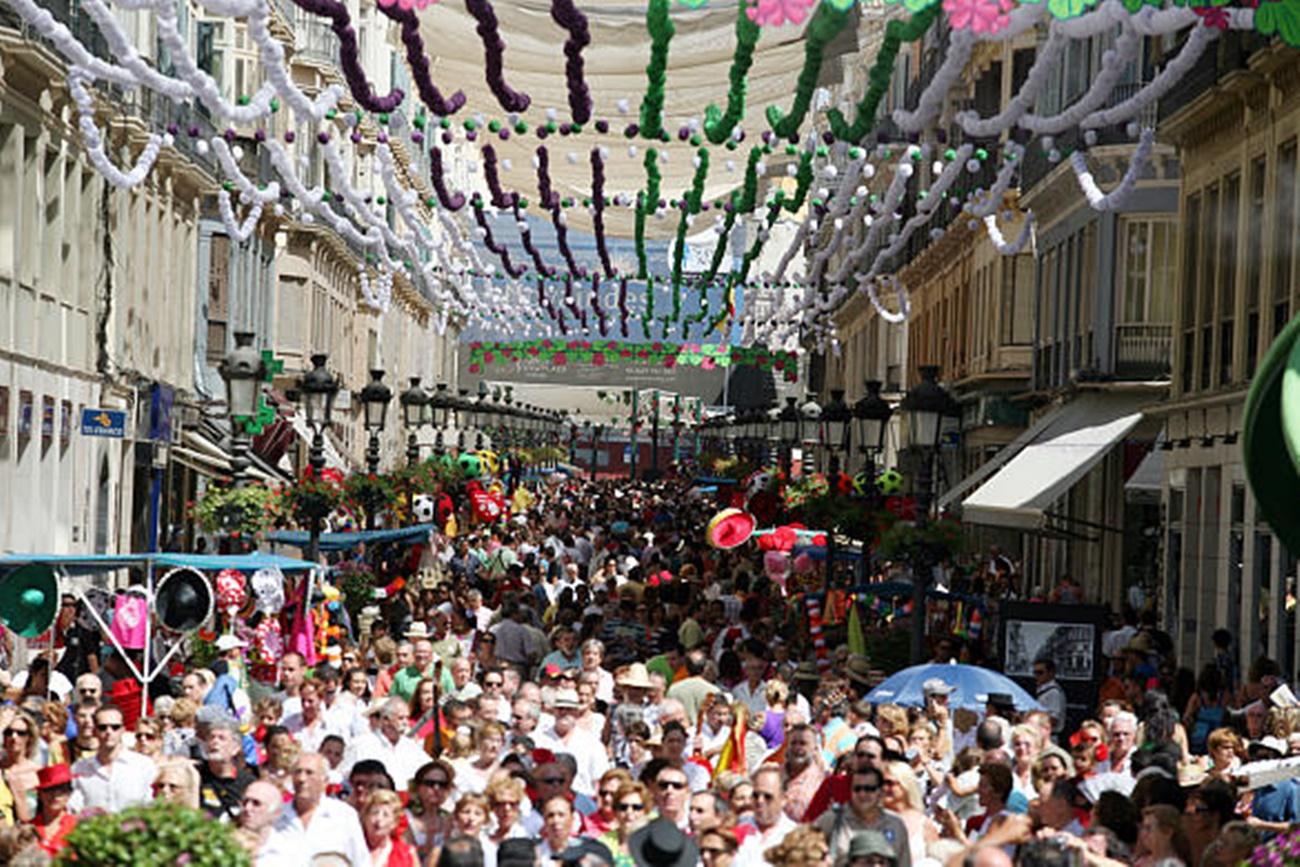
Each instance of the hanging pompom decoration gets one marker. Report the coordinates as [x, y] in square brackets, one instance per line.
[232, 591]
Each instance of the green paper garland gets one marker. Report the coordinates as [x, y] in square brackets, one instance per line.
[804, 177]
[718, 125]
[694, 198]
[896, 33]
[646, 203]
[826, 23]
[661, 31]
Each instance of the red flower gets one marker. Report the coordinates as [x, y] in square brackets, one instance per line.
[1213, 16]
[625, 353]
[779, 364]
[612, 345]
[533, 351]
[475, 368]
[547, 343]
[586, 344]
[598, 359]
[670, 361]
[559, 359]
[641, 353]
[489, 357]
[572, 344]
[656, 346]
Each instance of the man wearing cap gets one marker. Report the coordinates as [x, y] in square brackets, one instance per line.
[937, 694]
[871, 849]
[565, 736]
[1050, 694]
[1275, 807]
[114, 778]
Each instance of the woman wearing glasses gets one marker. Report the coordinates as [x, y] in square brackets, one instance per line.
[505, 794]
[428, 821]
[865, 811]
[18, 766]
[718, 847]
[631, 810]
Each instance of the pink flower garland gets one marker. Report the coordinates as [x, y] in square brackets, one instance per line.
[979, 16]
[774, 13]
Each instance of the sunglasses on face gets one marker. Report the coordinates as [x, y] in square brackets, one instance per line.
[552, 781]
[108, 727]
[16, 733]
[628, 808]
[670, 784]
[859, 789]
[434, 782]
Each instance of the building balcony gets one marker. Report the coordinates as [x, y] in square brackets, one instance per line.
[1229, 53]
[1143, 351]
[68, 13]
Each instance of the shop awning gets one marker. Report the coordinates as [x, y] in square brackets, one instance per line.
[1073, 439]
[205, 456]
[333, 460]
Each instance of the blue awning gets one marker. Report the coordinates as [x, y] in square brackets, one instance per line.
[348, 541]
[92, 564]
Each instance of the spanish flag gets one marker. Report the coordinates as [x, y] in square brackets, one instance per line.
[732, 757]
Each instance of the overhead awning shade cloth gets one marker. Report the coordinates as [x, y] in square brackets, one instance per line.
[699, 61]
[1079, 435]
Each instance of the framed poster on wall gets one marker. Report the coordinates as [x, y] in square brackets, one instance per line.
[1070, 635]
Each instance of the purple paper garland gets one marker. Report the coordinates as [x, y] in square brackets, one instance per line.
[494, 48]
[526, 236]
[450, 201]
[551, 202]
[502, 253]
[499, 197]
[418, 61]
[362, 90]
[598, 209]
[622, 306]
[566, 14]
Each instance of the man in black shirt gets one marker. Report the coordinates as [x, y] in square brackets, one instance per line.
[222, 774]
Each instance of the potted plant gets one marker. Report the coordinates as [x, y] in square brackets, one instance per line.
[157, 833]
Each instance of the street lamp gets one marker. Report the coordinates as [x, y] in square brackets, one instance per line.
[440, 406]
[317, 389]
[413, 401]
[788, 424]
[375, 398]
[814, 433]
[599, 433]
[837, 424]
[872, 414]
[243, 370]
[926, 404]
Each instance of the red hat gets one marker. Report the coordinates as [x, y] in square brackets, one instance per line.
[54, 776]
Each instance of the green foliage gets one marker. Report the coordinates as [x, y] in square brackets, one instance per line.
[369, 494]
[312, 496]
[356, 584]
[1281, 18]
[227, 509]
[904, 539]
[154, 835]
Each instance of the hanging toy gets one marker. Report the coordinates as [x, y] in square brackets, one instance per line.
[232, 592]
[729, 528]
[776, 564]
[343, 520]
[889, 482]
[423, 509]
[268, 590]
[471, 465]
[485, 506]
[489, 462]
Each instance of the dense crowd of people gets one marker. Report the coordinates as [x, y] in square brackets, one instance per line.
[591, 683]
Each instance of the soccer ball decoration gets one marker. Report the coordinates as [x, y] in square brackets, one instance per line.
[471, 465]
[423, 508]
[889, 482]
[862, 482]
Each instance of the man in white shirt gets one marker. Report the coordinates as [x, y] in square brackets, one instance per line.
[1121, 741]
[564, 736]
[309, 726]
[769, 815]
[480, 614]
[114, 778]
[293, 670]
[402, 756]
[1050, 694]
[312, 825]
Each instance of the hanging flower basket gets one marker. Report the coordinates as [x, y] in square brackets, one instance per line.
[229, 510]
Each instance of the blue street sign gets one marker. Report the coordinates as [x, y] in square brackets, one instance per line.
[103, 423]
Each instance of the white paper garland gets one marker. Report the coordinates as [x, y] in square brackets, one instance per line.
[999, 240]
[1113, 200]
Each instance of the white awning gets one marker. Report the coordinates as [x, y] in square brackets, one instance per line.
[1073, 440]
[208, 458]
[1150, 473]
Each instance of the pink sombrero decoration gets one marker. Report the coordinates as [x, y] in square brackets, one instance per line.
[730, 528]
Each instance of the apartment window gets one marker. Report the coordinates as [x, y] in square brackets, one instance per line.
[1284, 235]
[1188, 287]
[1205, 281]
[1254, 258]
[1228, 273]
[218, 296]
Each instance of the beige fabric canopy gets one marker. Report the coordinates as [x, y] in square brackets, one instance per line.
[699, 61]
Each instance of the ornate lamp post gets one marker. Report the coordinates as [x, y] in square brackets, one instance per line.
[871, 414]
[243, 370]
[317, 389]
[597, 433]
[375, 398]
[413, 401]
[788, 424]
[926, 404]
[837, 423]
[441, 405]
[814, 433]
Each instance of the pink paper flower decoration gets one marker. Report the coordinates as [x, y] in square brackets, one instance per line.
[978, 16]
[774, 13]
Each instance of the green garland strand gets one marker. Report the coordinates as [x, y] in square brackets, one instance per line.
[718, 125]
[804, 178]
[649, 313]
[694, 198]
[646, 203]
[752, 254]
[896, 33]
[826, 23]
[661, 33]
[749, 189]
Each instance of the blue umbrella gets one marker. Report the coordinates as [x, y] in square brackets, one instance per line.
[971, 686]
